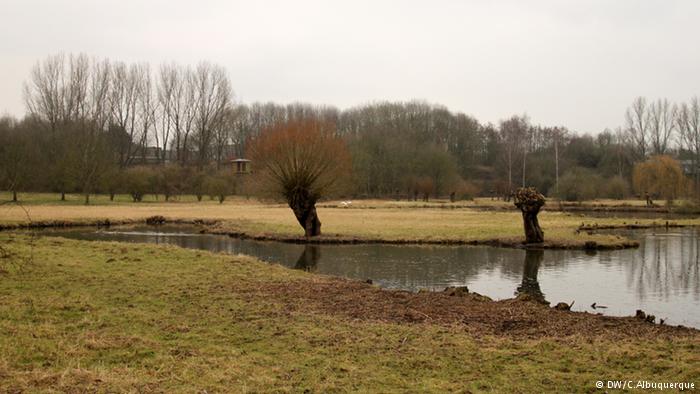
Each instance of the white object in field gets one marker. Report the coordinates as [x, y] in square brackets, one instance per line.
[345, 204]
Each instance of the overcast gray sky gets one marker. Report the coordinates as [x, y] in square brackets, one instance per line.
[572, 63]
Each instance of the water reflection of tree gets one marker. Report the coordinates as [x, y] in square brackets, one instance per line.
[309, 258]
[529, 284]
[667, 263]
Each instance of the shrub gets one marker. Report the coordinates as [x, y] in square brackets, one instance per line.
[660, 176]
[171, 180]
[138, 182]
[464, 190]
[220, 186]
[616, 188]
[112, 182]
[578, 184]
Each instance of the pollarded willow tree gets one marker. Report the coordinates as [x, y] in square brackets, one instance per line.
[303, 161]
[529, 200]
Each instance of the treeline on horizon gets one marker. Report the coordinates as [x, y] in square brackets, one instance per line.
[99, 126]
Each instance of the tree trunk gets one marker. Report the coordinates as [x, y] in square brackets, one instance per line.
[111, 196]
[87, 198]
[529, 285]
[63, 196]
[14, 196]
[309, 258]
[304, 208]
[530, 201]
[524, 160]
[556, 165]
[533, 231]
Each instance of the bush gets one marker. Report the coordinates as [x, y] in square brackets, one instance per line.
[423, 186]
[660, 176]
[196, 184]
[112, 182]
[616, 188]
[171, 180]
[578, 184]
[220, 185]
[464, 190]
[138, 181]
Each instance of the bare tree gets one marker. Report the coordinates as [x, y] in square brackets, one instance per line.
[17, 153]
[89, 128]
[177, 105]
[165, 118]
[70, 97]
[44, 93]
[620, 149]
[212, 96]
[558, 134]
[527, 142]
[661, 125]
[637, 127]
[57, 94]
[123, 100]
[146, 110]
[512, 133]
[688, 121]
[223, 135]
[241, 129]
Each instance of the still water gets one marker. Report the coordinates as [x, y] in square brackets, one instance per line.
[661, 277]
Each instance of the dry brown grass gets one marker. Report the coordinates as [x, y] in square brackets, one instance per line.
[109, 317]
[380, 221]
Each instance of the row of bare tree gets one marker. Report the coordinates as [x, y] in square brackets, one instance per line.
[180, 108]
[659, 127]
[89, 118]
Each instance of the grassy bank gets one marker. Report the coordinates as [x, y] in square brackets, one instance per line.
[381, 221]
[478, 202]
[79, 316]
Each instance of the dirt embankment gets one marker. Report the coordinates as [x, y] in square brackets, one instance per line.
[475, 313]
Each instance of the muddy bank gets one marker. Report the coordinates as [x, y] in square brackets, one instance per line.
[475, 313]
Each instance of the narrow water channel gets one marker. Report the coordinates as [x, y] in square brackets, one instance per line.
[661, 277]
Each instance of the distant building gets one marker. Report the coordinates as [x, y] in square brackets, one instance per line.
[689, 168]
[241, 166]
[150, 155]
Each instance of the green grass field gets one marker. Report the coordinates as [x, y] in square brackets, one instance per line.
[107, 317]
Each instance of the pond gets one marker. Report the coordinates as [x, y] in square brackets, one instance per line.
[661, 277]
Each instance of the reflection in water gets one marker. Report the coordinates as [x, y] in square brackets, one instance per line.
[662, 276]
[667, 264]
[530, 285]
[309, 258]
